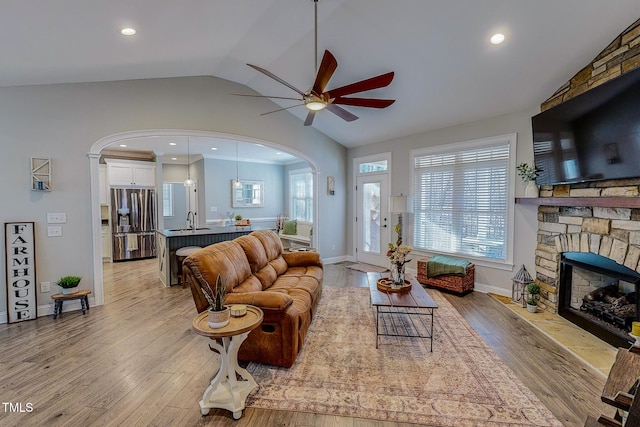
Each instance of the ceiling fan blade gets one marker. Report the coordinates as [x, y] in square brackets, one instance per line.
[363, 85]
[266, 96]
[342, 113]
[276, 78]
[365, 102]
[327, 67]
[309, 120]
[280, 109]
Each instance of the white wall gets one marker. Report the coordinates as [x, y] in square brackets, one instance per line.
[489, 279]
[64, 121]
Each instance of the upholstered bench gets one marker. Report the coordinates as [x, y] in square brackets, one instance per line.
[449, 274]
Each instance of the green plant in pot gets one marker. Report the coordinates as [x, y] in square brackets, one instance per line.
[533, 289]
[69, 284]
[219, 314]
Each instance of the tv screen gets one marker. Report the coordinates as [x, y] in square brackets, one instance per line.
[593, 136]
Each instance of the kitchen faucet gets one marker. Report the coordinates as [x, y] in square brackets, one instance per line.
[191, 221]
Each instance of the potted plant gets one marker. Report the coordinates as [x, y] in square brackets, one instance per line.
[219, 314]
[69, 284]
[532, 304]
[528, 173]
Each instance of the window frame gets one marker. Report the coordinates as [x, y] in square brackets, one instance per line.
[511, 140]
[169, 200]
[309, 201]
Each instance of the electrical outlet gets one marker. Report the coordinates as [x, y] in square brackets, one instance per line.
[54, 231]
[56, 218]
[45, 286]
[214, 209]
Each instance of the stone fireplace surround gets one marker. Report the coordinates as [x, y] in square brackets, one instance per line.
[612, 232]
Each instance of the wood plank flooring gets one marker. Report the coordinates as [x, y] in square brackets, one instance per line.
[135, 361]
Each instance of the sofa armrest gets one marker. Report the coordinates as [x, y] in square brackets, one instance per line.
[266, 300]
[302, 259]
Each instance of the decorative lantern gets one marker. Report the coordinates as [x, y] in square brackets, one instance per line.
[520, 282]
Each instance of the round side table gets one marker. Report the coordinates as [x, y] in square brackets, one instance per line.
[226, 391]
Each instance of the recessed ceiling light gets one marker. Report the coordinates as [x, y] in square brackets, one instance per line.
[123, 145]
[214, 148]
[174, 158]
[172, 143]
[260, 145]
[278, 152]
[497, 38]
[127, 31]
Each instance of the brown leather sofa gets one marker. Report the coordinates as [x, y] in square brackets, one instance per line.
[254, 268]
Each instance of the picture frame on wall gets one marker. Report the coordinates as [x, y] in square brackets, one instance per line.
[22, 303]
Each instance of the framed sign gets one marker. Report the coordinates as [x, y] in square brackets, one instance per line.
[21, 271]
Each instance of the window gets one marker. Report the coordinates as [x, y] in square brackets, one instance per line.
[370, 167]
[167, 199]
[301, 195]
[461, 195]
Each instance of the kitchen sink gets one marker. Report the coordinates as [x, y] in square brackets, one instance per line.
[188, 229]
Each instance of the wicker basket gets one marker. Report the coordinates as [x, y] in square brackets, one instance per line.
[460, 285]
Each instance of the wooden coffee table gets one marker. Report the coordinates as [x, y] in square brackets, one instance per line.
[402, 314]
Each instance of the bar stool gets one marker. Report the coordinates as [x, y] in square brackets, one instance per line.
[181, 254]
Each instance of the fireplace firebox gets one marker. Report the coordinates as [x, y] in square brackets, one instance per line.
[599, 295]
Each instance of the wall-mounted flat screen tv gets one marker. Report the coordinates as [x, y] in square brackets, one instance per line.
[591, 137]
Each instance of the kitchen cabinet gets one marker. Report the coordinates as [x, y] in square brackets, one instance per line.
[130, 173]
[106, 243]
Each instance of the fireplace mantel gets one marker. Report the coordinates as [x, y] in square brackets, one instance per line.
[604, 202]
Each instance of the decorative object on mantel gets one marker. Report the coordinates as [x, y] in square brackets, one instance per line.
[69, 284]
[520, 282]
[533, 289]
[528, 173]
[219, 314]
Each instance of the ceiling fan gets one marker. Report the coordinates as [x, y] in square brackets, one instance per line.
[316, 98]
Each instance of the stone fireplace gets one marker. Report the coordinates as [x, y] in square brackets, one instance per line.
[600, 218]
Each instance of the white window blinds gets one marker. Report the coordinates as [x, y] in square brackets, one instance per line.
[460, 199]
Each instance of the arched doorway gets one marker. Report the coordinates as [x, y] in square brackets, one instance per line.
[94, 166]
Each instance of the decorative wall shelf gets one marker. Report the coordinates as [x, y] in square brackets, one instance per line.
[604, 202]
[41, 173]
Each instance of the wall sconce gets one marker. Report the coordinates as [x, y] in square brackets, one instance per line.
[331, 186]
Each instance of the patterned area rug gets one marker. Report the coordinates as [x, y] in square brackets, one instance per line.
[366, 268]
[340, 372]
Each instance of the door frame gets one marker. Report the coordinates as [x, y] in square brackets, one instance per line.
[354, 208]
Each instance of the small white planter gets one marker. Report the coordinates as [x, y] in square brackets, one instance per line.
[67, 291]
[531, 189]
[219, 319]
[532, 308]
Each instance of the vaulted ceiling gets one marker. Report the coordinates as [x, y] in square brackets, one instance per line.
[447, 72]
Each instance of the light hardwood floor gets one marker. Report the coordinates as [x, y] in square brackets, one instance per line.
[135, 361]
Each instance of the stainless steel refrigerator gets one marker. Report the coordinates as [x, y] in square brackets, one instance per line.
[133, 223]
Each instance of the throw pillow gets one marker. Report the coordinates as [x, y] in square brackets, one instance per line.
[290, 227]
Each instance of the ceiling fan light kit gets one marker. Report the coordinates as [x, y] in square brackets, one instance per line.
[317, 99]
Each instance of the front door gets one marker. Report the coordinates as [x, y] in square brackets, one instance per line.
[372, 219]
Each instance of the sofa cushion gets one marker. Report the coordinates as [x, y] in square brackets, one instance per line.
[279, 265]
[294, 284]
[271, 243]
[226, 259]
[310, 271]
[254, 250]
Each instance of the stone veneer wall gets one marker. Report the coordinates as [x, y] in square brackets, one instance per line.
[620, 57]
[611, 232]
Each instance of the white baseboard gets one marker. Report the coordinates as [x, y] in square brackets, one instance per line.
[335, 260]
[486, 289]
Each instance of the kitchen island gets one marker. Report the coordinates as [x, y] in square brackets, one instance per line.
[169, 241]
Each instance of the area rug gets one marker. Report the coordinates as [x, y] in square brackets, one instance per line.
[367, 268]
[340, 372]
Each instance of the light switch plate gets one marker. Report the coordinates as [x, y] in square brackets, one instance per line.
[45, 286]
[56, 218]
[54, 231]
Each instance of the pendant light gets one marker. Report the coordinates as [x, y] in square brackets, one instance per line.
[237, 184]
[188, 182]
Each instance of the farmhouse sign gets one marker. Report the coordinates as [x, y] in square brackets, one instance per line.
[21, 271]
